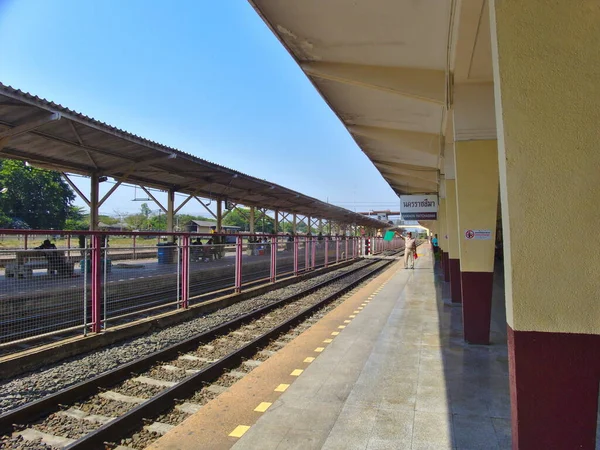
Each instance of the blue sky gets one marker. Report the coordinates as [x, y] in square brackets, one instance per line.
[206, 77]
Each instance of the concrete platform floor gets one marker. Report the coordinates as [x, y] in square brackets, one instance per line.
[399, 376]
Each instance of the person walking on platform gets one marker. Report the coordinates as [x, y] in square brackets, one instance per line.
[410, 248]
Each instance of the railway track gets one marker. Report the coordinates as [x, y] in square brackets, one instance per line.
[95, 415]
[120, 312]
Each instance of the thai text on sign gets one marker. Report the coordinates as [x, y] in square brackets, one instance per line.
[419, 207]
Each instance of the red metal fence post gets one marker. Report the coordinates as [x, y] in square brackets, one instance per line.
[273, 259]
[296, 255]
[346, 247]
[185, 271]
[96, 283]
[337, 249]
[238, 263]
[326, 251]
[313, 249]
[25, 241]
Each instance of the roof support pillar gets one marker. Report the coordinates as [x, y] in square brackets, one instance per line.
[252, 218]
[276, 222]
[171, 213]
[476, 165]
[219, 215]
[294, 222]
[546, 96]
[94, 200]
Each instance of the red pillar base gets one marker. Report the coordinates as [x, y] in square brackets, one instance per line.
[477, 306]
[446, 258]
[554, 389]
[455, 289]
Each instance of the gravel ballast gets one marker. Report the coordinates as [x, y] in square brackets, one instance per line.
[49, 380]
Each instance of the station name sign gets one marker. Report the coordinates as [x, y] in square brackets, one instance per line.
[419, 207]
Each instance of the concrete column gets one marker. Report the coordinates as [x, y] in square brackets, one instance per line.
[443, 239]
[252, 218]
[171, 212]
[94, 198]
[546, 60]
[453, 250]
[219, 215]
[477, 197]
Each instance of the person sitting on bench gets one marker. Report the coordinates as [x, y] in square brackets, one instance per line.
[57, 261]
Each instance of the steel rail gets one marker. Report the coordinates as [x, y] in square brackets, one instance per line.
[126, 423]
[34, 410]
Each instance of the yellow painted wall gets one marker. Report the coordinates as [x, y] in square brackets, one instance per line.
[451, 219]
[476, 165]
[546, 58]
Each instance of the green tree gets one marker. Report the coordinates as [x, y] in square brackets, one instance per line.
[136, 221]
[108, 220]
[238, 218]
[39, 197]
[77, 219]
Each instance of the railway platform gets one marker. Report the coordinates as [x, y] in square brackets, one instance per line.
[387, 369]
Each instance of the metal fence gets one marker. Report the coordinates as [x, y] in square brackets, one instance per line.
[57, 282]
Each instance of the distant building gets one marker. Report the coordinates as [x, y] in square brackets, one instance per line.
[206, 226]
[121, 226]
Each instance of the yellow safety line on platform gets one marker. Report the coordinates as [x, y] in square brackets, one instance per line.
[262, 407]
[352, 316]
[239, 431]
[282, 387]
[309, 359]
[319, 349]
[347, 321]
[335, 333]
[356, 312]
[296, 372]
[327, 341]
[341, 327]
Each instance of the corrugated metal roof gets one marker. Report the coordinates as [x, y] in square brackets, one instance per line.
[50, 135]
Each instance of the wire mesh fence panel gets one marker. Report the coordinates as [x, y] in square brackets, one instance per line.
[134, 286]
[256, 260]
[301, 254]
[319, 249]
[212, 268]
[285, 256]
[330, 251]
[41, 289]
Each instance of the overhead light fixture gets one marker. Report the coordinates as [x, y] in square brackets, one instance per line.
[102, 179]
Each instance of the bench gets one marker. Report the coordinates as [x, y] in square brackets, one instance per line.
[55, 262]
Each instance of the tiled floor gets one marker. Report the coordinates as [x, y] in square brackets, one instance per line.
[398, 377]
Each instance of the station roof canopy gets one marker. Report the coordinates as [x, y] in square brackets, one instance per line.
[386, 68]
[51, 136]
